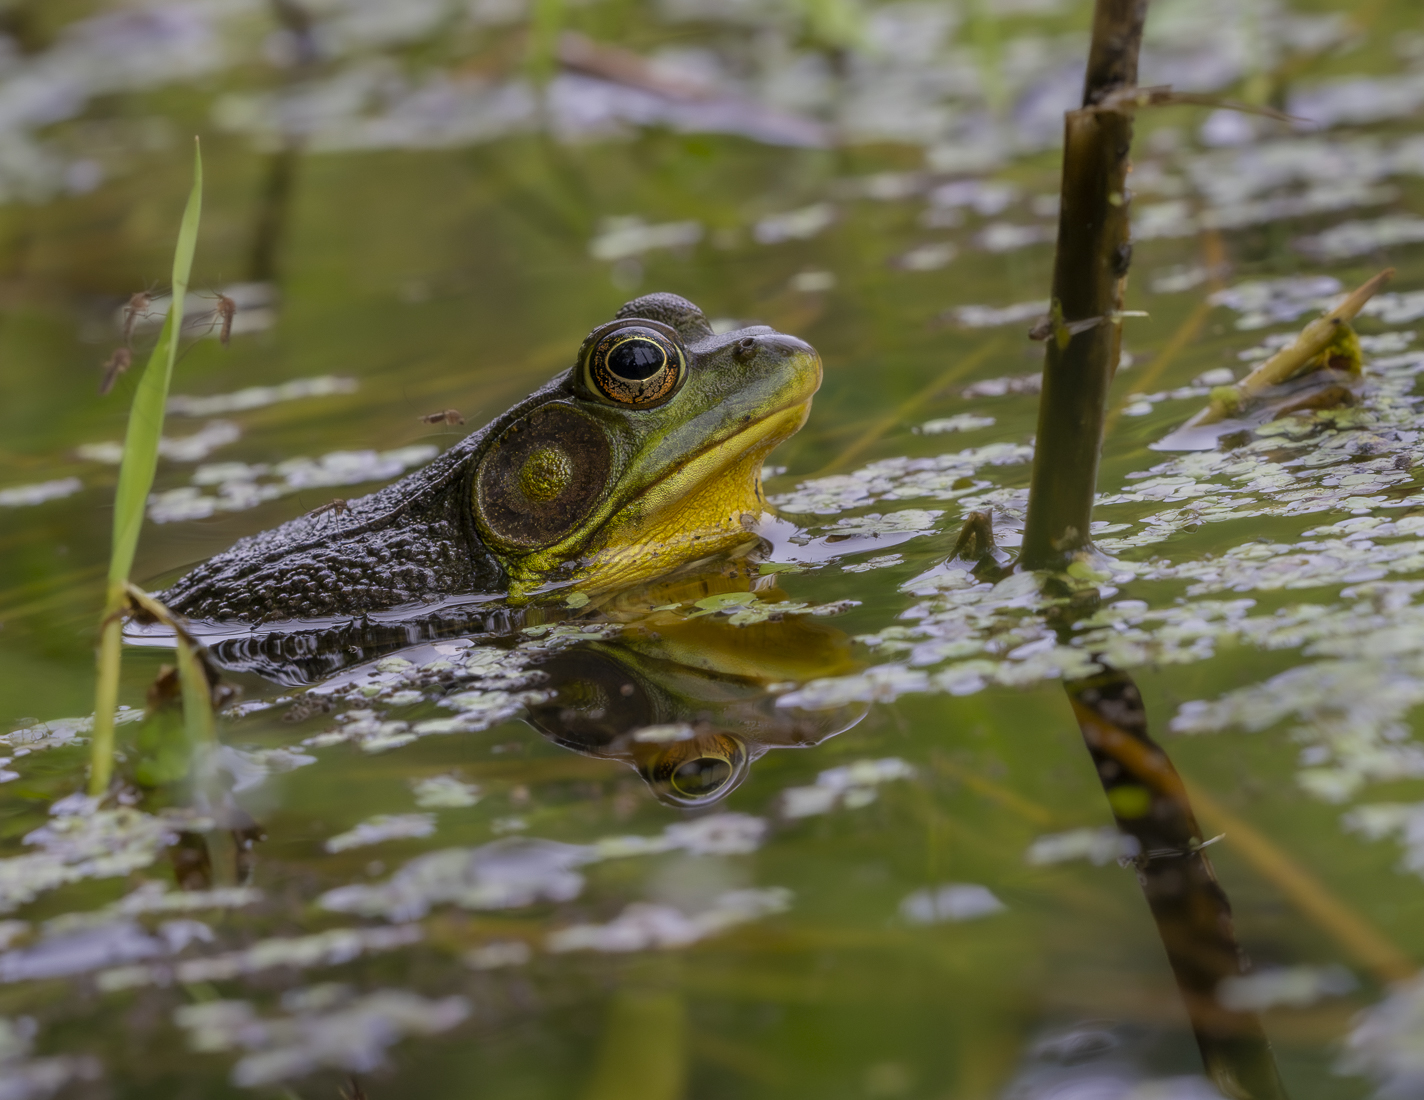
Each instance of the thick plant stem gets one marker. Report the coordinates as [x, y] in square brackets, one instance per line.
[1112, 56]
[1089, 278]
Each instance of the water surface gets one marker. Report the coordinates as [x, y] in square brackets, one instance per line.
[457, 869]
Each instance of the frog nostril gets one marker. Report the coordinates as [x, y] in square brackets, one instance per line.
[746, 348]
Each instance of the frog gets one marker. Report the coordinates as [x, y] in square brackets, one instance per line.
[642, 456]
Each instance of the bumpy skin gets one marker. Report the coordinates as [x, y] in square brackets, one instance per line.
[416, 539]
[409, 540]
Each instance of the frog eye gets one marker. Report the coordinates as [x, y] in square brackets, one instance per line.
[636, 366]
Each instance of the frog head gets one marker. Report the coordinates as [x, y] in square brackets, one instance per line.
[646, 454]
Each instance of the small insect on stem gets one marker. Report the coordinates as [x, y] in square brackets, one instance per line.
[119, 362]
[449, 416]
[223, 313]
[338, 506]
[138, 306]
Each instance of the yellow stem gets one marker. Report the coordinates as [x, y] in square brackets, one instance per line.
[197, 695]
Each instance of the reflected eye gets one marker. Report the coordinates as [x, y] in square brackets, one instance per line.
[703, 776]
[697, 772]
[636, 366]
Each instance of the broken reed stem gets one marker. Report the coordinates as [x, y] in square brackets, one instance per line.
[1289, 361]
[136, 470]
[1089, 278]
[192, 677]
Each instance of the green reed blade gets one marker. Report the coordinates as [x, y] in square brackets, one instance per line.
[136, 470]
[146, 414]
[546, 24]
[643, 1055]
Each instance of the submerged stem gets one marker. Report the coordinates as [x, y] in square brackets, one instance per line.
[1193, 916]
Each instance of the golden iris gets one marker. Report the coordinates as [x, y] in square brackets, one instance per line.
[635, 366]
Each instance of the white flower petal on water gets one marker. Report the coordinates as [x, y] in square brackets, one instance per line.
[19, 496]
[505, 874]
[1097, 846]
[328, 1027]
[501, 953]
[444, 792]
[1386, 1040]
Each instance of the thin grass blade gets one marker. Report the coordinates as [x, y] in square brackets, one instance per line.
[145, 426]
[136, 470]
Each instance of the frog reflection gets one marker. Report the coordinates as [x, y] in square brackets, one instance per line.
[691, 705]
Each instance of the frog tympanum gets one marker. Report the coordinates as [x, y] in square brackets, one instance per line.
[644, 455]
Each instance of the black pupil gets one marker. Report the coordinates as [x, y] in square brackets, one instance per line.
[701, 776]
[636, 360]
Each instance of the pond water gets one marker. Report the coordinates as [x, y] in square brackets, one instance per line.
[820, 823]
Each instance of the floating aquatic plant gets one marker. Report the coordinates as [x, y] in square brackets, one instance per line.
[643, 927]
[324, 1026]
[957, 901]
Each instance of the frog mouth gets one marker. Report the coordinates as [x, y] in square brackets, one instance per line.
[704, 497]
[771, 429]
[756, 435]
[748, 444]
